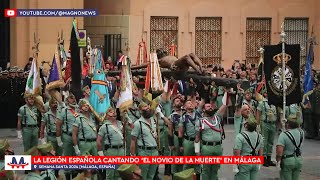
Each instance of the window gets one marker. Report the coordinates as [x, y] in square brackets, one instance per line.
[163, 32]
[112, 44]
[258, 34]
[296, 30]
[208, 39]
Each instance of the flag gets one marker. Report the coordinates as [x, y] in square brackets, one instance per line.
[125, 98]
[99, 96]
[75, 63]
[55, 79]
[273, 74]
[308, 77]
[33, 85]
[142, 53]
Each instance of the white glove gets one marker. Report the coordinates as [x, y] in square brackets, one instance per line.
[59, 141]
[235, 168]
[100, 153]
[76, 150]
[19, 134]
[278, 165]
[43, 141]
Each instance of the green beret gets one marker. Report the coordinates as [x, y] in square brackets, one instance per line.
[184, 175]
[4, 145]
[293, 117]
[45, 148]
[125, 170]
[12, 70]
[32, 151]
[83, 102]
[250, 120]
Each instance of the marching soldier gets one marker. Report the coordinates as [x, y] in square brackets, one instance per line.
[111, 135]
[49, 122]
[5, 149]
[266, 117]
[84, 131]
[173, 140]
[129, 172]
[248, 143]
[209, 133]
[144, 136]
[65, 120]
[288, 150]
[28, 122]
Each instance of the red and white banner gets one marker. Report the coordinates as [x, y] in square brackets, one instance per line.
[36, 160]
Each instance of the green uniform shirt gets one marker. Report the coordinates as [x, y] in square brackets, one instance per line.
[48, 173]
[244, 147]
[28, 115]
[68, 119]
[143, 131]
[49, 118]
[115, 134]
[33, 176]
[188, 123]
[133, 113]
[294, 109]
[208, 134]
[268, 112]
[86, 127]
[288, 146]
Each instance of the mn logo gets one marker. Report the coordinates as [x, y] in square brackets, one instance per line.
[18, 163]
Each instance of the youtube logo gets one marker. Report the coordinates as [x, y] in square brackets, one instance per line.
[10, 12]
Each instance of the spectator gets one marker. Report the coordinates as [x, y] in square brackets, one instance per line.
[28, 66]
[110, 63]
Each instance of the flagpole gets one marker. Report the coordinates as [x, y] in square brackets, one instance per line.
[282, 36]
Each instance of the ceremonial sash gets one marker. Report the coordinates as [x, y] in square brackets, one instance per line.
[116, 129]
[210, 125]
[150, 128]
[90, 125]
[73, 112]
[32, 114]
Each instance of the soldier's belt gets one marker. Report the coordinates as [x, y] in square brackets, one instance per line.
[206, 143]
[31, 126]
[51, 133]
[148, 148]
[68, 133]
[189, 138]
[88, 140]
[113, 147]
[289, 156]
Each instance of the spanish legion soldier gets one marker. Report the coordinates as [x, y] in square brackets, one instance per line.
[47, 150]
[315, 104]
[173, 140]
[65, 120]
[27, 122]
[5, 149]
[295, 110]
[84, 131]
[289, 151]
[35, 174]
[266, 117]
[248, 143]
[111, 135]
[129, 172]
[209, 133]
[48, 122]
[86, 93]
[144, 136]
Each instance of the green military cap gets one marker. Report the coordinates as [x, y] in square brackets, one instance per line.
[32, 151]
[12, 70]
[45, 148]
[187, 174]
[125, 170]
[4, 145]
[28, 95]
[5, 72]
[20, 70]
[292, 118]
[85, 88]
[247, 91]
[83, 102]
[250, 120]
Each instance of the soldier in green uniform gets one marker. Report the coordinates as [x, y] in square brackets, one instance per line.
[47, 150]
[5, 149]
[248, 143]
[175, 118]
[111, 135]
[294, 110]
[27, 121]
[65, 120]
[129, 172]
[208, 131]
[289, 151]
[144, 136]
[48, 122]
[187, 132]
[266, 117]
[84, 131]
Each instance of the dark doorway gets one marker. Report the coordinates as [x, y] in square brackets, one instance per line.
[4, 35]
[112, 44]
